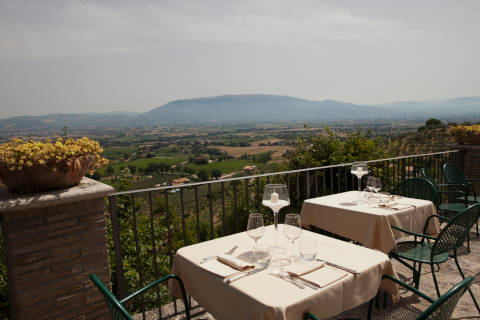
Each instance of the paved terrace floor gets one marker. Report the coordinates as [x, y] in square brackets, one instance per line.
[447, 277]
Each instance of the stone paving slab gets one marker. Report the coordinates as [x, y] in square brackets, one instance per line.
[447, 277]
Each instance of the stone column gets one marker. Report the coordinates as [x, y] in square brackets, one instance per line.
[52, 242]
[471, 161]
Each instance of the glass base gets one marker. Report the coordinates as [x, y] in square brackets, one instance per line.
[279, 262]
[294, 259]
[276, 249]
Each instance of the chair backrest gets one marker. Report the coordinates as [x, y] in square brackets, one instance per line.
[117, 311]
[426, 175]
[453, 174]
[442, 309]
[456, 231]
[417, 188]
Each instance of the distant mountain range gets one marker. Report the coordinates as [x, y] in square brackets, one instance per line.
[251, 108]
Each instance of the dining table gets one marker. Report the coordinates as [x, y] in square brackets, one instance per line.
[263, 295]
[350, 215]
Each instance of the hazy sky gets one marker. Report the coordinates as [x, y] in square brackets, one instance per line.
[99, 56]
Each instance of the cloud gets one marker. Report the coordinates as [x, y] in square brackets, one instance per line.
[52, 29]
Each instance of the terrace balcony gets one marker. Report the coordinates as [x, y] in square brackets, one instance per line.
[146, 227]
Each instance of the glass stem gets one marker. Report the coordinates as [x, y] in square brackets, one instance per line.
[359, 184]
[275, 221]
[293, 248]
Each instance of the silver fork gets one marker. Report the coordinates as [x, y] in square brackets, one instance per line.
[229, 252]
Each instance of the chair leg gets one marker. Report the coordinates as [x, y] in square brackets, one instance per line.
[468, 242]
[463, 277]
[435, 279]
[417, 276]
[370, 309]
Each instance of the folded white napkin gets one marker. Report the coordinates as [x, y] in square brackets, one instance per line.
[302, 268]
[324, 276]
[400, 206]
[234, 262]
[226, 265]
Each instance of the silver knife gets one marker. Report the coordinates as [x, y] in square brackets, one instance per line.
[355, 272]
[289, 279]
[302, 281]
[244, 274]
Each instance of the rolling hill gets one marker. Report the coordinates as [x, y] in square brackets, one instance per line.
[250, 108]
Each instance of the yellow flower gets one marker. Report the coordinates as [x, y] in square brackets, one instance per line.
[17, 154]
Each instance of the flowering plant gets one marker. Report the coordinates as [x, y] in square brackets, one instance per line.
[18, 155]
[468, 134]
[31, 166]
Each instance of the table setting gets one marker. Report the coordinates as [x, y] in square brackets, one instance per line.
[328, 277]
[279, 271]
[302, 269]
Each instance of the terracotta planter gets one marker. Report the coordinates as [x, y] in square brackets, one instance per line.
[44, 178]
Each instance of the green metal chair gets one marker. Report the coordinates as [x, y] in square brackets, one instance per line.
[446, 189]
[440, 309]
[444, 246]
[453, 175]
[417, 188]
[449, 207]
[116, 307]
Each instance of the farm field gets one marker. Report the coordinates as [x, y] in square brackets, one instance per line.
[142, 163]
[236, 152]
[115, 153]
[227, 166]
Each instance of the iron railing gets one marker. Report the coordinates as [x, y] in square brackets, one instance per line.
[147, 226]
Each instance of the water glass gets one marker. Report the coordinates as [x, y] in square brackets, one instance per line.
[262, 254]
[308, 249]
[383, 198]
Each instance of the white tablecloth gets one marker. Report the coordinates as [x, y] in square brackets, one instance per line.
[370, 225]
[263, 296]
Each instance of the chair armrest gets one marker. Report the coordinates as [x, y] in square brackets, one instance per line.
[451, 191]
[450, 185]
[439, 217]
[425, 236]
[408, 287]
[310, 316]
[157, 282]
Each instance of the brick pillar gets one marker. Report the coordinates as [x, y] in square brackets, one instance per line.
[471, 161]
[52, 241]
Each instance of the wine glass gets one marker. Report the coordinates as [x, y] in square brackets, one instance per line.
[292, 230]
[371, 183]
[374, 184]
[359, 169]
[378, 185]
[255, 229]
[275, 196]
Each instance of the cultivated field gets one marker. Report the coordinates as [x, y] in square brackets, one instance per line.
[236, 152]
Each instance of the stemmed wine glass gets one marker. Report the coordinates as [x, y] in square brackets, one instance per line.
[255, 229]
[359, 169]
[275, 196]
[292, 230]
[374, 184]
